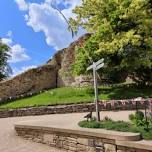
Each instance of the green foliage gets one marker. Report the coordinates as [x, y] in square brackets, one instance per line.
[143, 76]
[139, 120]
[139, 115]
[4, 67]
[121, 33]
[131, 117]
[89, 124]
[108, 124]
[82, 62]
[69, 95]
[118, 126]
[90, 90]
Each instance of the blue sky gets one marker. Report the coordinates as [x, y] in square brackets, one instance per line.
[34, 30]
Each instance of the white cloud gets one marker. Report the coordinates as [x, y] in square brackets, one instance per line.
[26, 17]
[17, 71]
[23, 6]
[17, 53]
[7, 41]
[43, 18]
[68, 12]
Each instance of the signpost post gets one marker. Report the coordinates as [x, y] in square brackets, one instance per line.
[96, 66]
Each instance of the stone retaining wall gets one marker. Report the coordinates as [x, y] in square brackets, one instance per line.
[76, 141]
[73, 108]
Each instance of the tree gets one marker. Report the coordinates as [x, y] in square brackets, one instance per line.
[4, 67]
[121, 33]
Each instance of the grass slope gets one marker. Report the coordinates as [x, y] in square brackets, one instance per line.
[70, 95]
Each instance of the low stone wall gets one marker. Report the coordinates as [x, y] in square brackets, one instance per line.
[83, 140]
[73, 108]
[44, 110]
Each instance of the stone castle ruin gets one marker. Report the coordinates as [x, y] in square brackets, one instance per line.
[55, 73]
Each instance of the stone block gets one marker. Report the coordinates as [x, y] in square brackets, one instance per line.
[110, 148]
[72, 148]
[74, 140]
[37, 140]
[48, 138]
[91, 149]
[83, 141]
[81, 147]
[98, 142]
[65, 146]
[125, 149]
[142, 150]
[72, 144]
[69, 150]
[108, 141]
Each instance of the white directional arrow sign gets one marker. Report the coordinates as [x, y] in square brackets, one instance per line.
[99, 66]
[96, 66]
[99, 61]
[90, 67]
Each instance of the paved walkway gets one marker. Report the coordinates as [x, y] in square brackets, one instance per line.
[9, 142]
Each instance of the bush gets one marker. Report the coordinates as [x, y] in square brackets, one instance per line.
[139, 120]
[139, 115]
[119, 126]
[131, 117]
[143, 76]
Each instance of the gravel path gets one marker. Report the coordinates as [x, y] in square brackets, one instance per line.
[9, 142]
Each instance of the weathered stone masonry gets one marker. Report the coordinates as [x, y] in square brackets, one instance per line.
[55, 73]
[78, 140]
[62, 109]
[32, 81]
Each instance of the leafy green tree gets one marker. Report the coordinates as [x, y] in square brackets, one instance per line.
[121, 33]
[4, 67]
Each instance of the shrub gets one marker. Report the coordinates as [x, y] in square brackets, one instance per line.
[118, 126]
[139, 120]
[139, 115]
[131, 117]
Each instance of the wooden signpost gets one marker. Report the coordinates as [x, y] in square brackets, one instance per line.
[96, 66]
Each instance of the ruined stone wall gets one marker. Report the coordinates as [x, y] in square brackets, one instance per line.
[55, 73]
[65, 76]
[33, 81]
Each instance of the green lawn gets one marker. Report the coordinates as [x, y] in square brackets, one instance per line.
[118, 126]
[70, 95]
